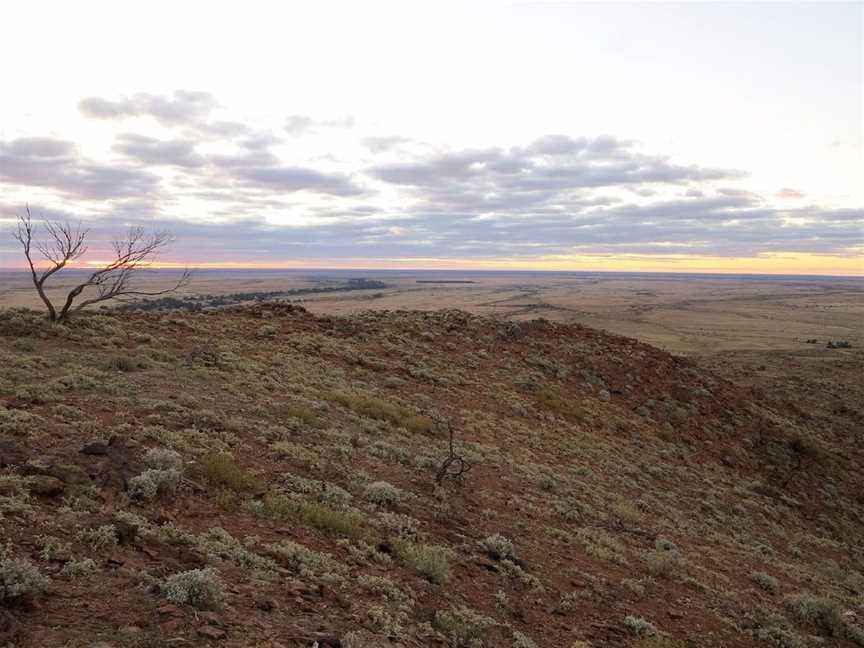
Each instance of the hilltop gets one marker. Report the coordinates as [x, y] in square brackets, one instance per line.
[262, 476]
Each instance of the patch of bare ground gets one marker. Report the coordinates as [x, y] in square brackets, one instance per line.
[262, 476]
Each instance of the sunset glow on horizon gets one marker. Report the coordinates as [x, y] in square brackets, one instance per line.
[780, 264]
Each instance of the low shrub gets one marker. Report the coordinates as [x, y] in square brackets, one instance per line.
[383, 493]
[776, 631]
[199, 588]
[765, 581]
[302, 413]
[75, 568]
[124, 363]
[554, 402]
[462, 625]
[498, 547]
[20, 581]
[24, 344]
[99, 538]
[819, 611]
[429, 561]
[163, 459]
[640, 627]
[152, 483]
[662, 564]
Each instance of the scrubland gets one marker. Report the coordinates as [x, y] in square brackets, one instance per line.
[264, 477]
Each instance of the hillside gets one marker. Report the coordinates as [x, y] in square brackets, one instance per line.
[612, 494]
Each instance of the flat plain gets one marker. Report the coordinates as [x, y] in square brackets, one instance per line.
[683, 314]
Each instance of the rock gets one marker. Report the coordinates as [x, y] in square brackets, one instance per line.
[604, 395]
[171, 625]
[126, 532]
[10, 628]
[8, 488]
[488, 565]
[266, 604]
[169, 610]
[46, 486]
[675, 614]
[211, 632]
[519, 410]
[164, 516]
[102, 644]
[115, 561]
[95, 449]
[211, 618]
[11, 453]
[384, 547]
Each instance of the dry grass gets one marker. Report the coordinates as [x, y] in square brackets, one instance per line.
[345, 524]
[223, 471]
[381, 410]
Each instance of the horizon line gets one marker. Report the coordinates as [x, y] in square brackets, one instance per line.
[246, 268]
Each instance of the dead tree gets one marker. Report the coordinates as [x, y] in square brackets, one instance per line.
[454, 465]
[114, 280]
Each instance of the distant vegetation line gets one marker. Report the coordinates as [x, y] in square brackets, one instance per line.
[200, 302]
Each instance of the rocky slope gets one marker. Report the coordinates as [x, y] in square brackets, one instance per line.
[263, 477]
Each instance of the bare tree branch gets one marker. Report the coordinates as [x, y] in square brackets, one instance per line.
[65, 243]
[453, 466]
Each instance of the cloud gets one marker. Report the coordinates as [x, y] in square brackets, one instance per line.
[222, 129]
[182, 107]
[557, 145]
[38, 148]
[56, 164]
[439, 169]
[245, 158]
[717, 226]
[306, 125]
[786, 192]
[149, 150]
[629, 230]
[556, 194]
[381, 143]
[286, 178]
[259, 141]
[554, 164]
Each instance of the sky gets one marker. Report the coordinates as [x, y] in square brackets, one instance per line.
[692, 137]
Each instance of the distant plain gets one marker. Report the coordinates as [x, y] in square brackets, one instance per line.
[684, 314]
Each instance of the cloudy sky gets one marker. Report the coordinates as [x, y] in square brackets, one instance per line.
[562, 135]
